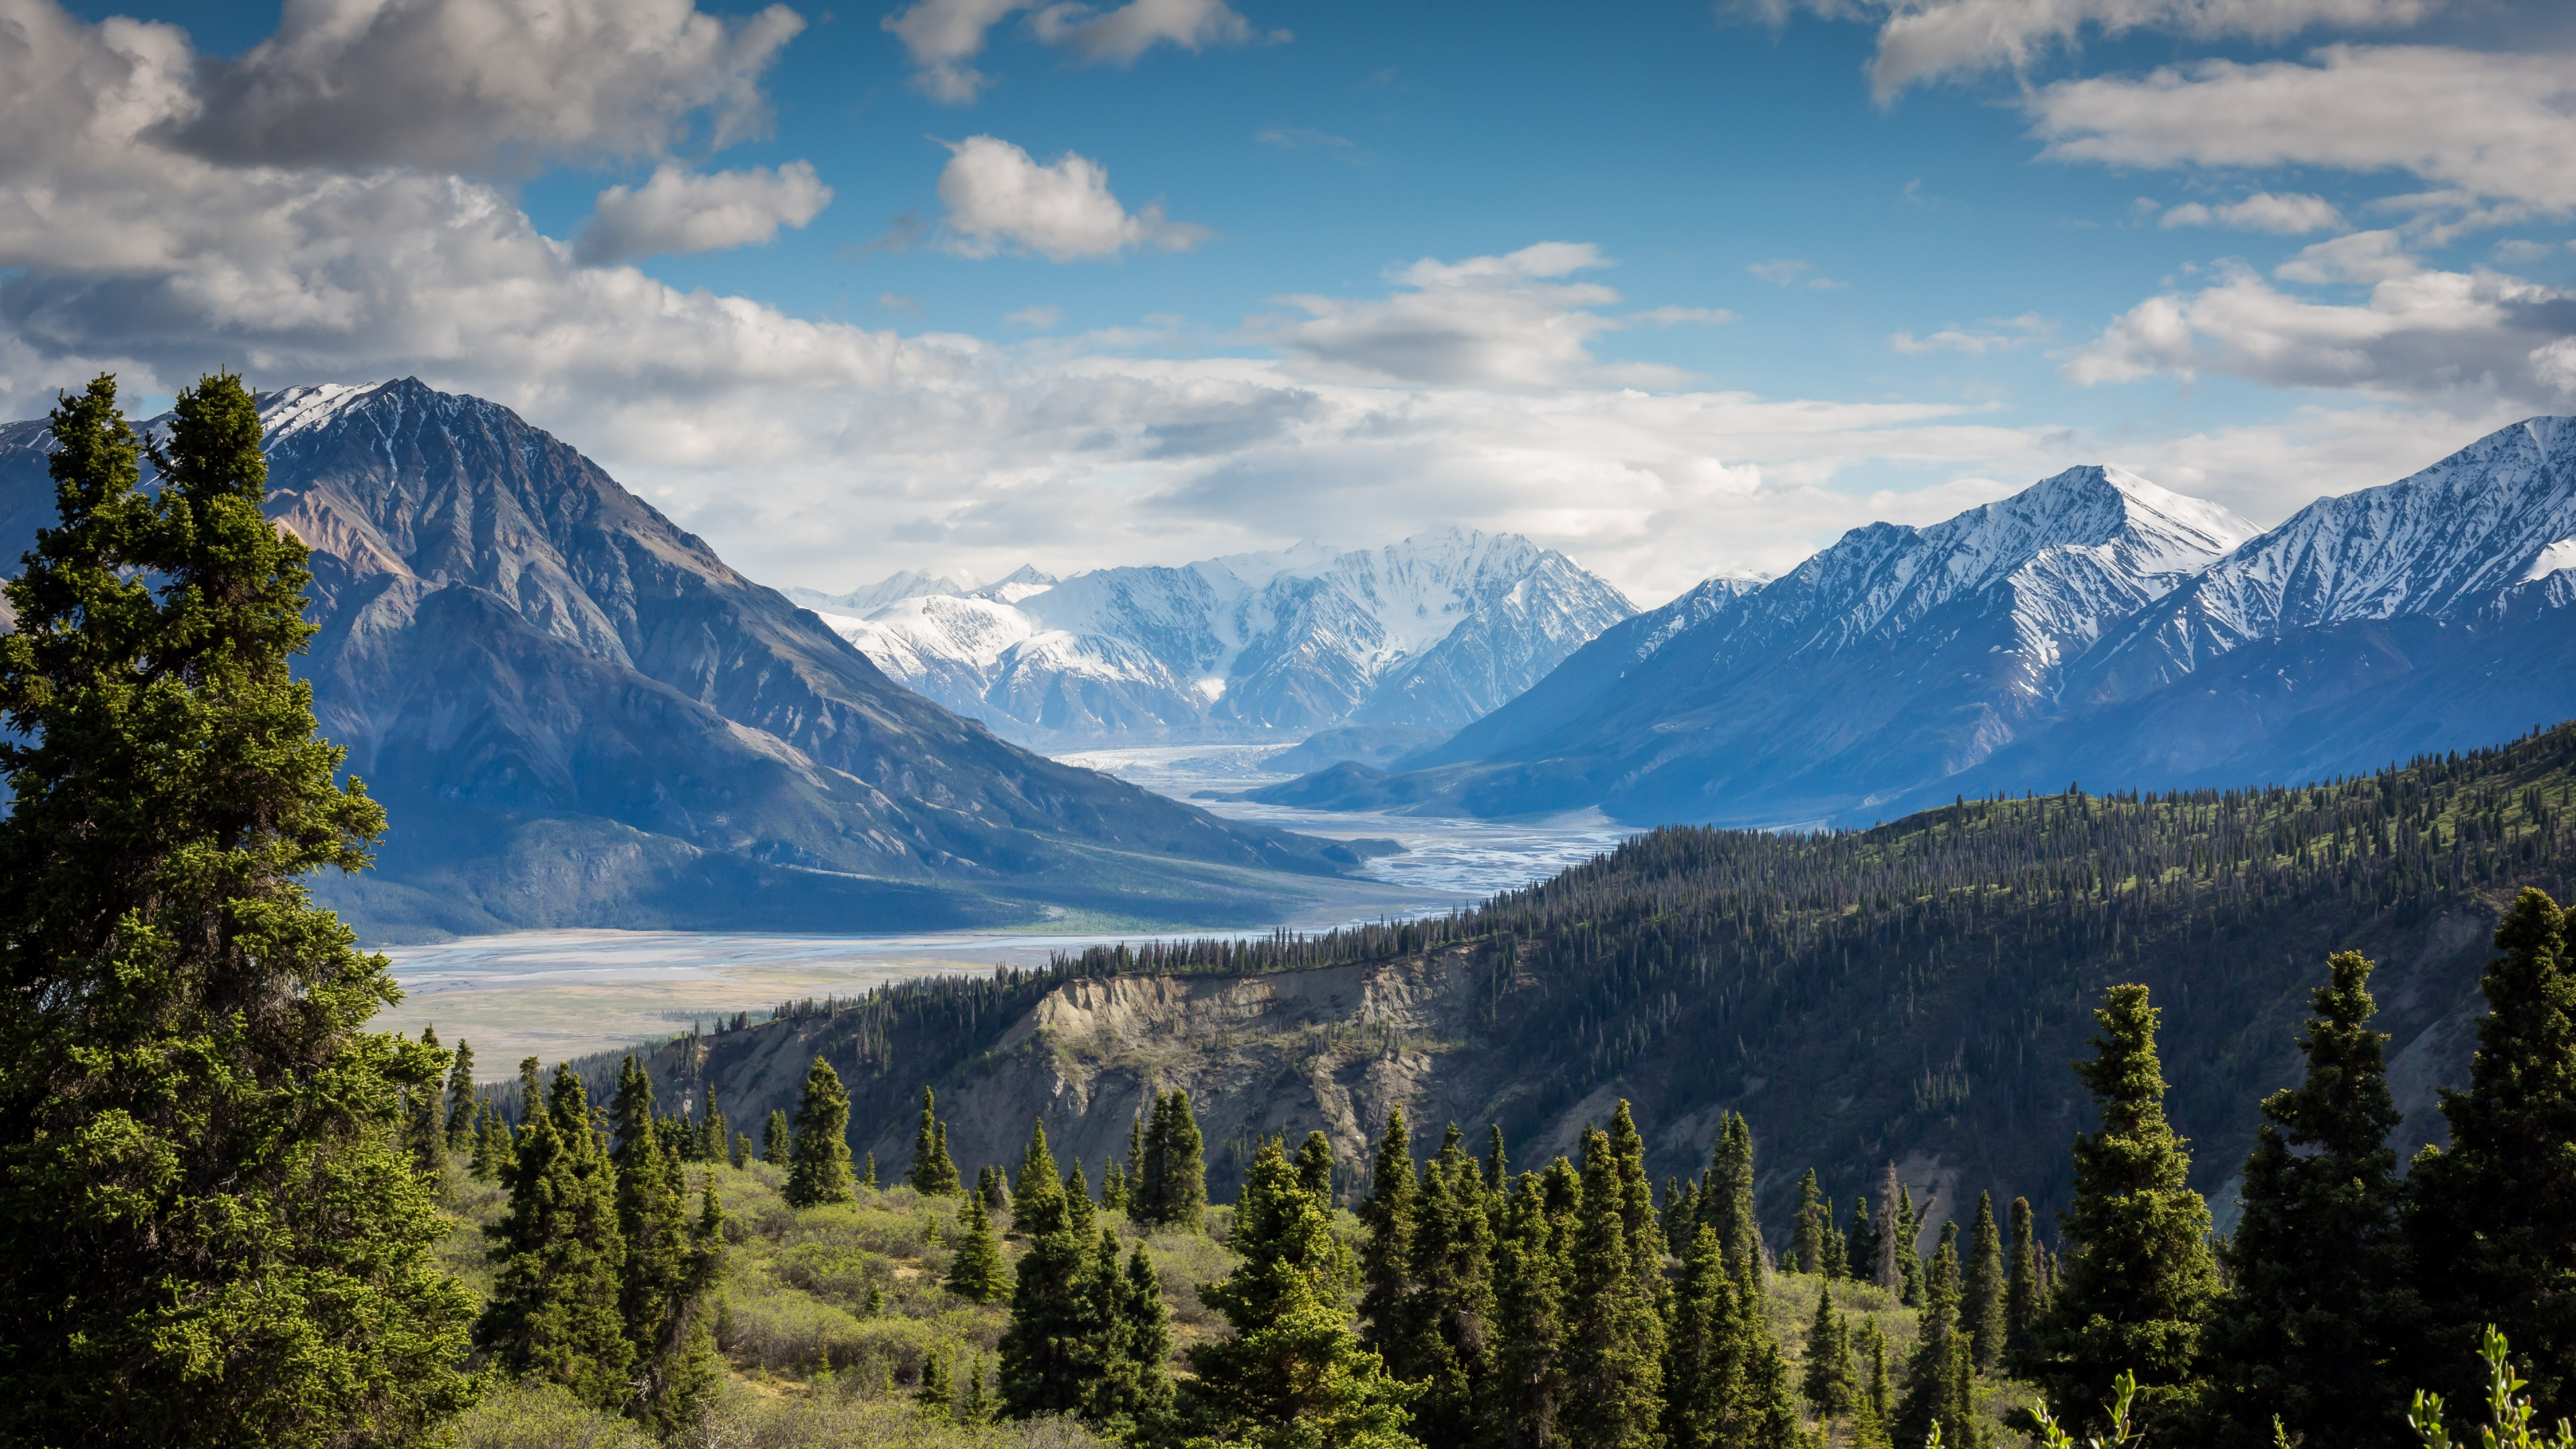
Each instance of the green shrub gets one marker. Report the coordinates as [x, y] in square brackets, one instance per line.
[543, 1416]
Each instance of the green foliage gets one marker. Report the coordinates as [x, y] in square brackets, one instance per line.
[2311, 1337]
[208, 1230]
[2139, 1278]
[977, 1272]
[818, 1161]
[933, 1173]
[1447, 1316]
[1813, 1226]
[2494, 1216]
[1982, 1298]
[2509, 1412]
[1294, 1375]
[1726, 1199]
[2023, 1301]
[462, 1102]
[559, 1258]
[1725, 1385]
[1386, 1256]
[1173, 1192]
[1613, 1338]
[1533, 1279]
[776, 1137]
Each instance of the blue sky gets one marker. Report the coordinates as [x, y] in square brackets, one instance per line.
[1679, 288]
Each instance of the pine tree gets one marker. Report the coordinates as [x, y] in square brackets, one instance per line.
[1449, 1316]
[208, 1233]
[1936, 1383]
[1497, 1166]
[818, 1168]
[1315, 1166]
[680, 1369]
[1113, 1187]
[742, 1154]
[776, 1141]
[1043, 1364]
[1180, 1186]
[493, 1150]
[1725, 1383]
[1645, 1235]
[976, 1407]
[1860, 1246]
[1136, 1161]
[1126, 1393]
[936, 1397]
[532, 1091]
[1837, 1251]
[559, 1259]
[1145, 1330]
[1876, 1400]
[1910, 1267]
[1982, 1296]
[1815, 1220]
[2493, 1221]
[425, 1120]
[1294, 1373]
[2138, 1279]
[1824, 1380]
[461, 1100]
[932, 1173]
[868, 1167]
[1727, 1204]
[1533, 1277]
[1614, 1339]
[997, 1196]
[1891, 1244]
[1386, 1257]
[2022, 1289]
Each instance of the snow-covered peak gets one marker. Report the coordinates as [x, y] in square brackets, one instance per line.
[867, 599]
[303, 409]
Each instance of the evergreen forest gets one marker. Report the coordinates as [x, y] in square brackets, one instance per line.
[235, 1215]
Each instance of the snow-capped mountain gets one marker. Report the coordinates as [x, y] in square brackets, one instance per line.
[1430, 632]
[577, 714]
[1897, 655]
[2095, 627]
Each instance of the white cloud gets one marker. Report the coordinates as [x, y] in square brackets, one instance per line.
[1679, 316]
[1921, 40]
[477, 84]
[1785, 272]
[998, 197]
[681, 211]
[1119, 36]
[2459, 340]
[2483, 125]
[1495, 321]
[943, 36]
[2002, 334]
[2281, 215]
[1044, 317]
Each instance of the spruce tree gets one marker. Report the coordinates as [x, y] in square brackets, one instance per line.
[1727, 1203]
[2321, 1311]
[2493, 1221]
[1645, 1235]
[1823, 1378]
[461, 1100]
[2022, 1288]
[492, 1147]
[1533, 1278]
[1725, 1384]
[1044, 1367]
[936, 1398]
[1386, 1256]
[997, 1195]
[1126, 1393]
[1815, 1220]
[742, 1154]
[425, 1120]
[208, 1231]
[678, 1372]
[1497, 1166]
[1181, 1198]
[2138, 1279]
[1860, 1246]
[1294, 1373]
[1614, 1338]
[532, 1091]
[1837, 1251]
[1982, 1296]
[1113, 1187]
[1891, 1244]
[668, 1268]
[933, 1173]
[776, 1140]
[559, 1259]
[818, 1168]
[1315, 1166]
[868, 1166]
[1936, 1379]
[1910, 1264]
[1153, 1178]
[1449, 1317]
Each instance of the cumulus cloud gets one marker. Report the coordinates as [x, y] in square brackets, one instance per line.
[2481, 125]
[1001, 198]
[472, 85]
[1923, 40]
[943, 37]
[2262, 211]
[2461, 340]
[1500, 321]
[680, 211]
[1999, 334]
[1044, 317]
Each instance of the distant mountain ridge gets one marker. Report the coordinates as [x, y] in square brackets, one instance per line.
[2094, 627]
[1425, 634]
[1897, 655]
[577, 714]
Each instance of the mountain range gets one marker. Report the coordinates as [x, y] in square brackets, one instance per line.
[2094, 627]
[1411, 640]
[576, 714]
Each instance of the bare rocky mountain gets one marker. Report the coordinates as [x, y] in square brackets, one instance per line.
[577, 714]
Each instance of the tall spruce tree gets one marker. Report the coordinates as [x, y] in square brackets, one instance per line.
[1449, 1318]
[776, 1138]
[1936, 1379]
[1294, 1373]
[558, 1258]
[666, 1270]
[1613, 1337]
[1860, 1245]
[818, 1166]
[1814, 1222]
[933, 1173]
[1894, 1240]
[2022, 1301]
[1533, 1284]
[425, 1120]
[1315, 1166]
[1126, 1392]
[1386, 1255]
[461, 1100]
[1176, 1166]
[1637, 1207]
[208, 1233]
[2321, 1310]
[1045, 1360]
[1725, 1384]
[1727, 1199]
[1825, 1377]
[1982, 1297]
[2138, 1279]
[2493, 1221]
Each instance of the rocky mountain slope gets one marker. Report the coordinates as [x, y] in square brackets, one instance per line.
[2094, 628]
[1426, 634]
[577, 714]
[1909, 993]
